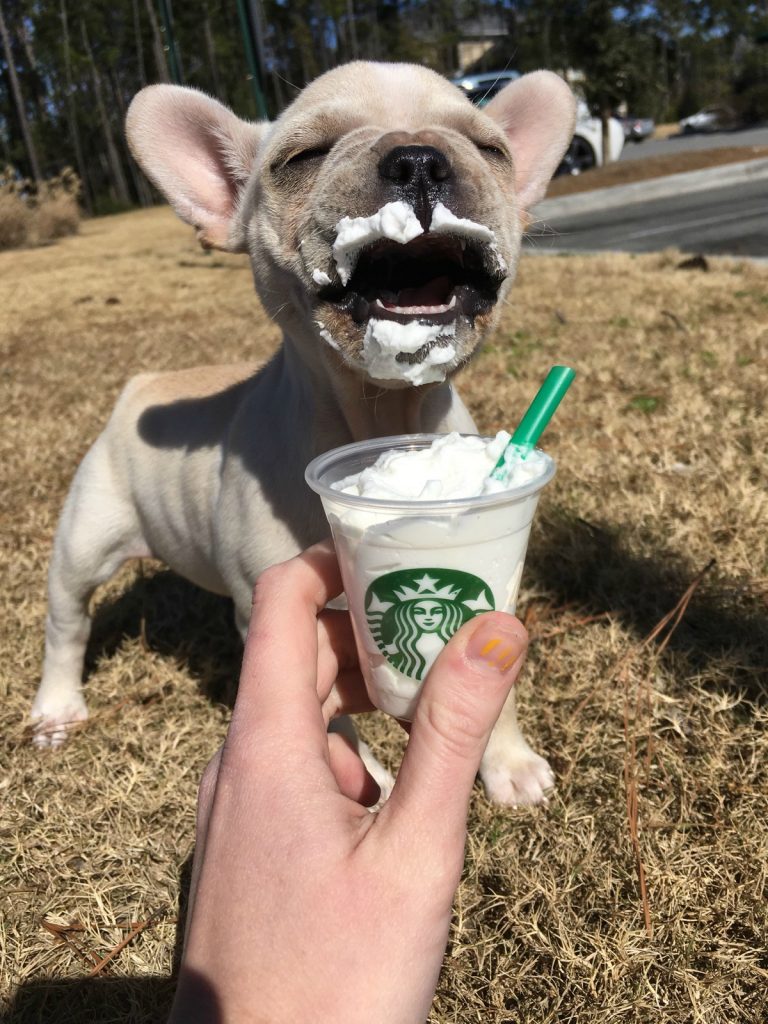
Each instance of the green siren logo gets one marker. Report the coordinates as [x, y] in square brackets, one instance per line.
[413, 613]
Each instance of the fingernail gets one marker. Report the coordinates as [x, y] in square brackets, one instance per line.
[496, 645]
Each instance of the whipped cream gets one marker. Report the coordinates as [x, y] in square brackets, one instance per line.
[398, 222]
[443, 220]
[395, 220]
[385, 340]
[453, 466]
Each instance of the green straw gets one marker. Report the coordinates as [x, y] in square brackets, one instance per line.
[534, 422]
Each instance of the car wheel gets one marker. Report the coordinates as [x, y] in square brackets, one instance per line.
[579, 157]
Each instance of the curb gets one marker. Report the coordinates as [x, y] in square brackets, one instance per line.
[654, 188]
[758, 261]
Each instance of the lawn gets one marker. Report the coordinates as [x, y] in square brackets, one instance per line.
[641, 893]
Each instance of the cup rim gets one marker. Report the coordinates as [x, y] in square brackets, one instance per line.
[320, 463]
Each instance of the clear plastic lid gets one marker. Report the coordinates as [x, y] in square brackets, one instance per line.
[340, 463]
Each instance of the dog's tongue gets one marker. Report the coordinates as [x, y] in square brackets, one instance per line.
[434, 293]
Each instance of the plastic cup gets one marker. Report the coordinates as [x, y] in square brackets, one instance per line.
[415, 571]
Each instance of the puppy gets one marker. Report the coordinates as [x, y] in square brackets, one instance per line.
[382, 214]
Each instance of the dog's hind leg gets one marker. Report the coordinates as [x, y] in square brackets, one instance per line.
[97, 532]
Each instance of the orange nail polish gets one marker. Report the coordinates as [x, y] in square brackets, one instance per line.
[489, 647]
[494, 647]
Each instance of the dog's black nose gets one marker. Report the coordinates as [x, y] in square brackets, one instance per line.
[414, 165]
[419, 175]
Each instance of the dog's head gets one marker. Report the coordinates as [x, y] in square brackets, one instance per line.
[382, 211]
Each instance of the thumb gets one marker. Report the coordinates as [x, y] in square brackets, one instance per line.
[462, 697]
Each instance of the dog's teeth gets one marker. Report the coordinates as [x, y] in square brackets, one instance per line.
[417, 310]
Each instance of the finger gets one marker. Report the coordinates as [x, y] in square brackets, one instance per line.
[336, 649]
[348, 696]
[352, 777]
[278, 681]
[340, 683]
[462, 697]
[204, 807]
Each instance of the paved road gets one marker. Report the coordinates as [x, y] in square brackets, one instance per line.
[725, 221]
[686, 143]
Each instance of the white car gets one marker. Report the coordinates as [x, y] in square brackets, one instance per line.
[586, 148]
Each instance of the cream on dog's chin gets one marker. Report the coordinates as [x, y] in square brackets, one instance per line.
[382, 214]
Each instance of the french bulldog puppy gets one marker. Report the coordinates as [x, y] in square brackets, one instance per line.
[382, 214]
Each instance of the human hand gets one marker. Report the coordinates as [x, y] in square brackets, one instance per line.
[304, 905]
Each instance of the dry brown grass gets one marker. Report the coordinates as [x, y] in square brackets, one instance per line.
[32, 215]
[57, 217]
[660, 752]
[664, 131]
[15, 221]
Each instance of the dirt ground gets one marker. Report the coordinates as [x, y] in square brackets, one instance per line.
[630, 171]
[641, 893]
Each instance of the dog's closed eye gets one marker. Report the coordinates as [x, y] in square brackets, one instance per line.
[491, 150]
[307, 155]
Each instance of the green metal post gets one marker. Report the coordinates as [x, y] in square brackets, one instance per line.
[250, 56]
[170, 41]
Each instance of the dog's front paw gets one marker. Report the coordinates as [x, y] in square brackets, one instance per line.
[52, 720]
[381, 776]
[519, 778]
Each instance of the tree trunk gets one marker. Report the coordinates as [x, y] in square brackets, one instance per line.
[87, 196]
[29, 144]
[140, 185]
[213, 64]
[139, 43]
[106, 172]
[351, 29]
[605, 121]
[157, 44]
[37, 83]
[277, 84]
[115, 164]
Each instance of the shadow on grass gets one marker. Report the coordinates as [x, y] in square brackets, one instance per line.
[724, 632]
[178, 620]
[92, 1000]
[110, 1001]
[105, 1000]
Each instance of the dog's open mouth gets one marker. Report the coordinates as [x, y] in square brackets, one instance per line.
[432, 279]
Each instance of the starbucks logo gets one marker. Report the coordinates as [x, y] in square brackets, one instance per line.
[413, 613]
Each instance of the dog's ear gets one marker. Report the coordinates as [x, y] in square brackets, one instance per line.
[537, 113]
[199, 154]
